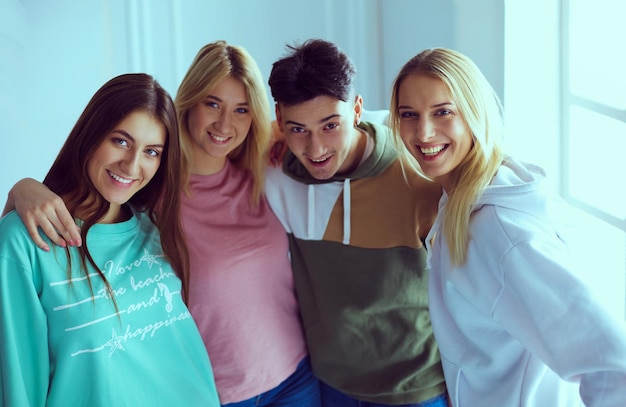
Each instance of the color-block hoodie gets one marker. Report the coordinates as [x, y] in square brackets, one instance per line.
[359, 269]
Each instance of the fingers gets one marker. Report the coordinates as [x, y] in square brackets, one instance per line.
[42, 209]
[277, 152]
[57, 223]
[53, 219]
[33, 231]
[67, 228]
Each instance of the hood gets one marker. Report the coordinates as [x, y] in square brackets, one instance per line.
[515, 185]
[381, 157]
[521, 187]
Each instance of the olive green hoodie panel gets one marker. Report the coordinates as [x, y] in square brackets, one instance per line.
[367, 322]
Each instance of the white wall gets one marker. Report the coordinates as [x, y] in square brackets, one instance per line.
[55, 54]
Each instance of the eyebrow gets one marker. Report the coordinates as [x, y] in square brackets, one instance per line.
[324, 120]
[432, 107]
[220, 100]
[127, 135]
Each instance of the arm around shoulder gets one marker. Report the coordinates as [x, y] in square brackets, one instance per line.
[41, 208]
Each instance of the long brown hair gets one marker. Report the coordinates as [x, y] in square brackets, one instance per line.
[160, 198]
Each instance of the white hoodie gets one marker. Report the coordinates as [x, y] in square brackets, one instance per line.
[514, 325]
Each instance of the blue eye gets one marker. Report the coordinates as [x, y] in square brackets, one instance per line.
[120, 141]
[242, 110]
[407, 114]
[152, 152]
[443, 112]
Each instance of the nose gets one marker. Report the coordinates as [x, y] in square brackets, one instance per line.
[424, 130]
[132, 163]
[316, 145]
[223, 123]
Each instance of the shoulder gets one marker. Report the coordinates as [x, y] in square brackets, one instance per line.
[143, 220]
[376, 116]
[517, 203]
[380, 132]
[13, 229]
[421, 186]
[276, 179]
[16, 245]
[498, 228]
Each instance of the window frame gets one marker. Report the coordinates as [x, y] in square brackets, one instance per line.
[568, 100]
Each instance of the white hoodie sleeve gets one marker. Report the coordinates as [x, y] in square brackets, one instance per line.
[553, 314]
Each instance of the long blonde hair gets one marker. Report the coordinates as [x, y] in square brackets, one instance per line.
[480, 108]
[213, 63]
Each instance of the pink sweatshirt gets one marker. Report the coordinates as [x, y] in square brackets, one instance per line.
[241, 287]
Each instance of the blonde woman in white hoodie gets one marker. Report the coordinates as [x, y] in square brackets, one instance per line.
[514, 324]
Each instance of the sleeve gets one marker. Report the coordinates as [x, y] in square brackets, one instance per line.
[549, 310]
[24, 362]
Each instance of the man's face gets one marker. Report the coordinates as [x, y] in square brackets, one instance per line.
[321, 133]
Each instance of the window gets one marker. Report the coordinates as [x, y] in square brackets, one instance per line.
[565, 109]
[594, 107]
[593, 142]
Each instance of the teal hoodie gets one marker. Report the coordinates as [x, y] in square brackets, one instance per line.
[359, 269]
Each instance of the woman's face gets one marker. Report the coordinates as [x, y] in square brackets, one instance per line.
[127, 158]
[432, 127]
[218, 125]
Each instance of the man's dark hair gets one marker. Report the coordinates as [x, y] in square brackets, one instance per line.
[315, 68]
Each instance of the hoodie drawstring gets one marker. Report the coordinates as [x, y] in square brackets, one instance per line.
[311, 218]
[346, 211]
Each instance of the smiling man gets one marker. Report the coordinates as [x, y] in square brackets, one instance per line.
[356, 226]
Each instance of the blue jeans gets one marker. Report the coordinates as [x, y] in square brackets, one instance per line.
[301, 389]
[334, 398]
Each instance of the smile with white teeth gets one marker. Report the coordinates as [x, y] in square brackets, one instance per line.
[120, 179]
[321, 160]
[432, 150]
[218, 138]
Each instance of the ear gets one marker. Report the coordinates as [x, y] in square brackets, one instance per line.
[279, 118]
[358, 109]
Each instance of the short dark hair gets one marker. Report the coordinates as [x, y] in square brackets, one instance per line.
[315, 68]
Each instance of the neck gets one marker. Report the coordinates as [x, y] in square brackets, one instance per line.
[357, 152]
[116, 214]
[206, 165]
